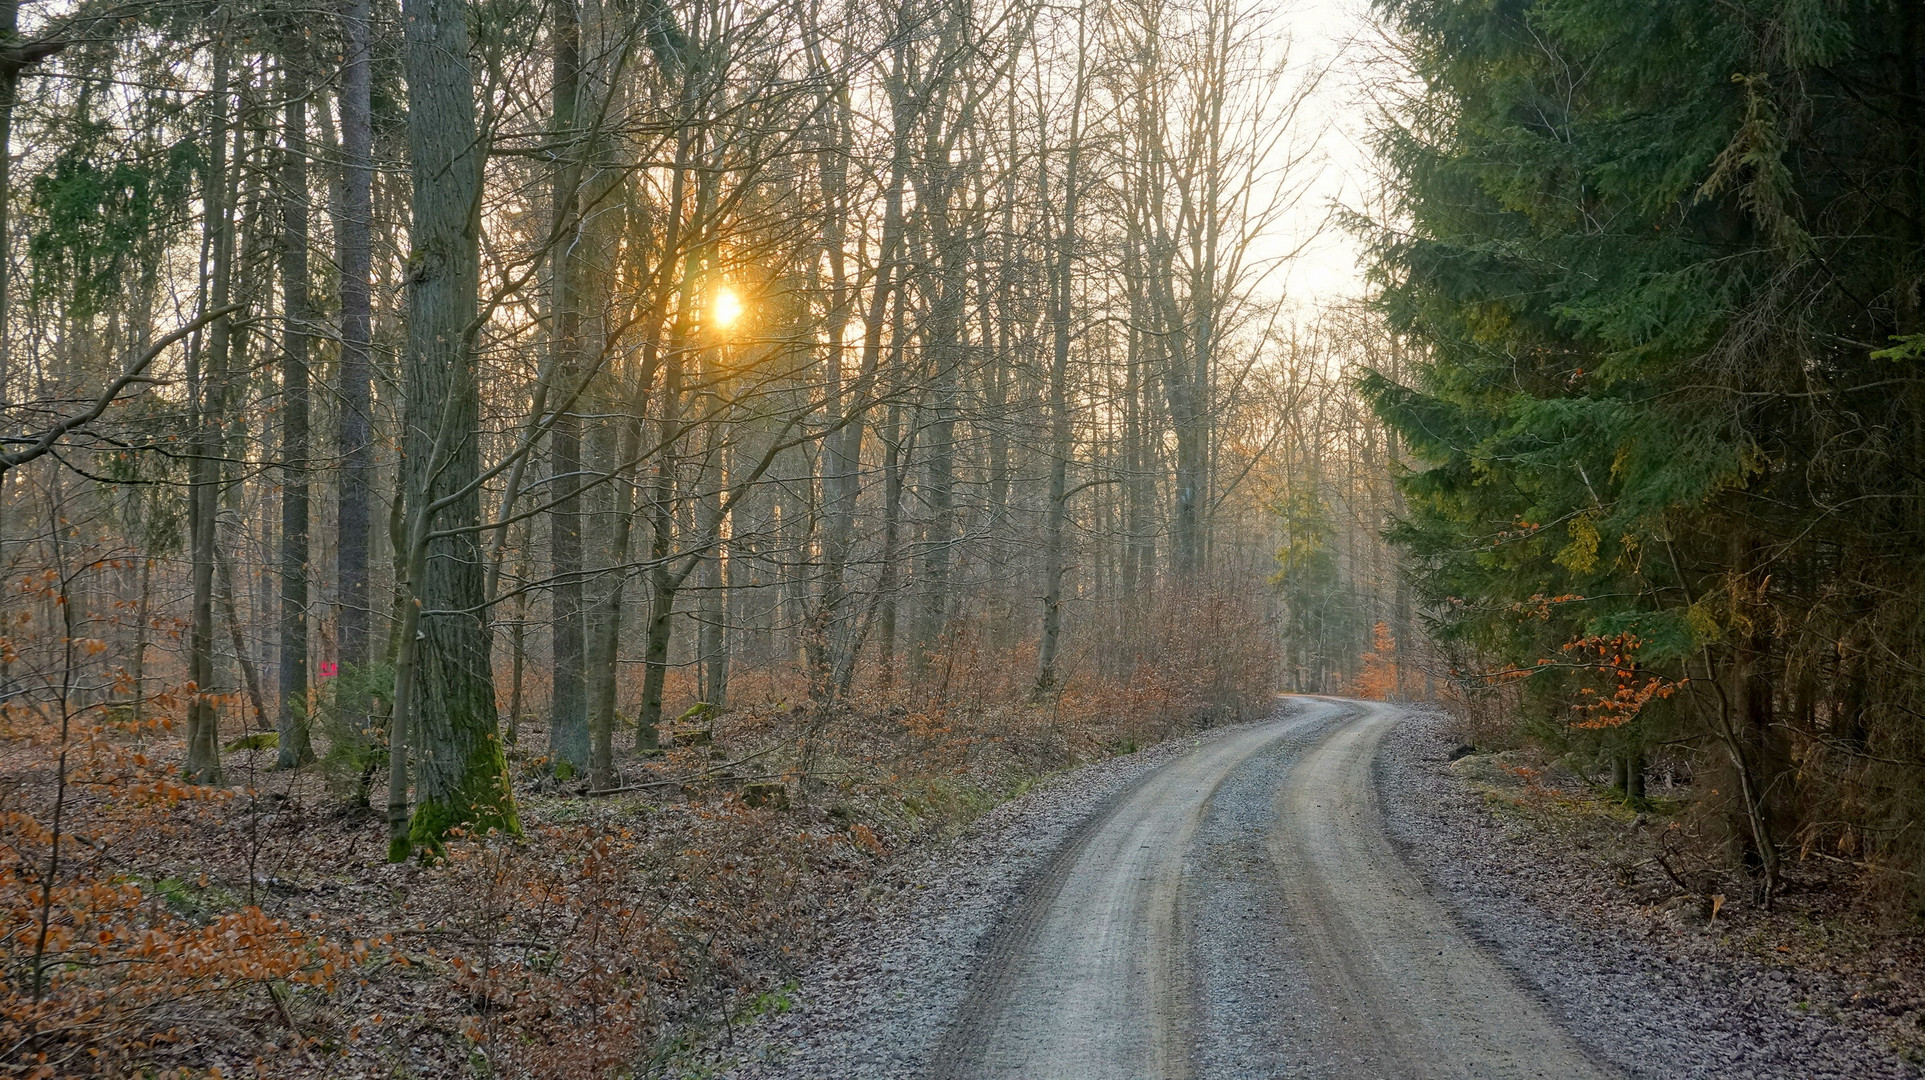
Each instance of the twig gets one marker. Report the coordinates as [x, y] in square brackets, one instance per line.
[710, 771]
[1670, 873]
[1861, 865]
[274, 994]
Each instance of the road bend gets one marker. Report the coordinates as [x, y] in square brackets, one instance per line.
[1240, 912]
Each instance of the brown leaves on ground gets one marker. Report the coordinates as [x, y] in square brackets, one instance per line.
[257, 930]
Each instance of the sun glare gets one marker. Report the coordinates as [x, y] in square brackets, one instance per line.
[727, 307]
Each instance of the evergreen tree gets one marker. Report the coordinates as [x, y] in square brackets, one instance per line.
[1659, 256]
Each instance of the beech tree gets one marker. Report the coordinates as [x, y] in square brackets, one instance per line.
[444, 680]
[585, 361]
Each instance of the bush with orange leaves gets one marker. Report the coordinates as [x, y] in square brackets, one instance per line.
[1624, 686]
[1378, 674]
[96, 967]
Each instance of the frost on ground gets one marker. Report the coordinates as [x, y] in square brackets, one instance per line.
[877, 1000]
[1643, 979]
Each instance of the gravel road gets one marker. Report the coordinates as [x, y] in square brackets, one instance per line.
[1226, 907]
[1308, 896]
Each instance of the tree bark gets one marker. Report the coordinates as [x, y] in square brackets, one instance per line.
[354, 446]
[237, 635]
[663, 583]
[568, 735]
[461, 775]
[292, 720]
[1061, 441]
[714, 637]
[206, 387]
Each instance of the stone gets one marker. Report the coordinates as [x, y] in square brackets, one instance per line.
[768, 795]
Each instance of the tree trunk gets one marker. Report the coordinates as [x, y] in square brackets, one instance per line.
[828, 637]
[354, 446]
[663, 583]
[206, 408]
[942, 348]
[568, 737]
[887, 583]
[237, 635]
[461, 775]
[661, 616]
[607, 647]
[518, 644]
[715, 635]
[292, 721]
[138, 673]
[1061, 442]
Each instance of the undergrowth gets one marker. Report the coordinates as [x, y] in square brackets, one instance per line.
[156, 928]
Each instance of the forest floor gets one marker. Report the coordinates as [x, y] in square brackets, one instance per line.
[258, 930]
[1628, 924]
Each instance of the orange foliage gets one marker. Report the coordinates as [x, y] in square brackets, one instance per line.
[573, 949]
[98, 963]
[1626, 687]
[1377, 678]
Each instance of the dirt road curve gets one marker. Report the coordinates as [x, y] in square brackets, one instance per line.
[1240, 912]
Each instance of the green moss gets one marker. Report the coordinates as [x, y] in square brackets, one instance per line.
[484, 803]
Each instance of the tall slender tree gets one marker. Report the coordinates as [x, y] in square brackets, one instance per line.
[445, 685]
[296, 331]
[354, 446]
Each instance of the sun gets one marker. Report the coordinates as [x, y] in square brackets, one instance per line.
[728, 307]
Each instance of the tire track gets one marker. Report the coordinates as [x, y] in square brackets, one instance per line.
[1092, 976]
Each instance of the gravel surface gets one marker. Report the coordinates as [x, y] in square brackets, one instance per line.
[1258, 1014]
[878, 1001]
[1652, 1011]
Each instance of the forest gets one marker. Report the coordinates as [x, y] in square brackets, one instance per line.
[1667, 266]
[514, 512]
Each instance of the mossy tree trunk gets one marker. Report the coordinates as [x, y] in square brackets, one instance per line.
[460, 772]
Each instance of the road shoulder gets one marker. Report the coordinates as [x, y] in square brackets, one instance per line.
[1638, 995]
[876, 1001]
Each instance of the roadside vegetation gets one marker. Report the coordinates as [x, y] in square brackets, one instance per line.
[1663, 268]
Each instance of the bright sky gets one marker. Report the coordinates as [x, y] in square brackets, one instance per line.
[1324, 33]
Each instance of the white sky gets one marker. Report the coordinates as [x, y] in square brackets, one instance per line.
[1323, 32]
